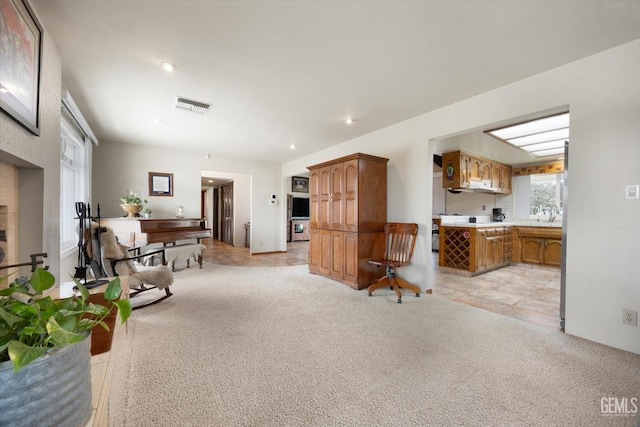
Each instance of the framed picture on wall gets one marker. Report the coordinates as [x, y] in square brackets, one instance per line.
[21, 52]
[299, 184]
[160, 184]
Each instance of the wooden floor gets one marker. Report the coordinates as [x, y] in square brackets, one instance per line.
[528, 293]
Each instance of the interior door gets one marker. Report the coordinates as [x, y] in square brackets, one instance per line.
[215, 221]
[227, 213]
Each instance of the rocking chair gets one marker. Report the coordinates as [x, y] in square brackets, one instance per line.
[117, 260]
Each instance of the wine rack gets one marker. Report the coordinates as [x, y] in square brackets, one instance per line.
[457, 248]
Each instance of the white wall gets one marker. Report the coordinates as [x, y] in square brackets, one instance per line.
[603, 94]
[39, 184]
[119, 166]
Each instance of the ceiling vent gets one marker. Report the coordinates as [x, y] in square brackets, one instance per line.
[195, 106]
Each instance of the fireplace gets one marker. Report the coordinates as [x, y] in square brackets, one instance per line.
[8, 214]
[21, 212]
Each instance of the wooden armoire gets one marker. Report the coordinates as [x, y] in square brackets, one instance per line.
[348, 210]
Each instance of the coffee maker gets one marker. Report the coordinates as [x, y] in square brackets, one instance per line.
[498, 215]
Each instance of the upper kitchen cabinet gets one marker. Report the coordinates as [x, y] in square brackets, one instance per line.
[470, 171]
[501, 177]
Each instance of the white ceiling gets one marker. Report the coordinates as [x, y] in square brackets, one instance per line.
[290, 72]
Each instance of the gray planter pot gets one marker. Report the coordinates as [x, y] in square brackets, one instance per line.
[54, 390]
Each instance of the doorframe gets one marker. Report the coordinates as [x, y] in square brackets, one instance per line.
[563, 268]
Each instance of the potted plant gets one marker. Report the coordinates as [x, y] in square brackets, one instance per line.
[132, 203]
[147, 213]
[45, 348]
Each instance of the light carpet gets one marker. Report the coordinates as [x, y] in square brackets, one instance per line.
[277, 346]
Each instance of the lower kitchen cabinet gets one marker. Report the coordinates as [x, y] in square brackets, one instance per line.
[475, 249]
[539, 245]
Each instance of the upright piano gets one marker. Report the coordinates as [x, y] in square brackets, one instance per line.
[137, 232]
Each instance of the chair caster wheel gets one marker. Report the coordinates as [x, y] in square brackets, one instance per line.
[399, 301]
[418, 295]
[370, 294]
[390, 288]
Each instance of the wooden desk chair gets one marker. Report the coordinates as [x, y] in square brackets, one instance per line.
[400, 239]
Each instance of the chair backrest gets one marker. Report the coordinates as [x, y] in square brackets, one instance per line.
[400, 241]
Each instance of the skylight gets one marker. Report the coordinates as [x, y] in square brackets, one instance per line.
[540, 138]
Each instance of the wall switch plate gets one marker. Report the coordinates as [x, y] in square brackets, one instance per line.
[630, 317]
[632, 192]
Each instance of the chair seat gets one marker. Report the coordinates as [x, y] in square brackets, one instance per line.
[387, 262]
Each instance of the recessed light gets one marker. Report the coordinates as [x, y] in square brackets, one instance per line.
[210, 181]
[168, 67]
[157, 121]
[349, 120]
[292, 146]
[207, 156]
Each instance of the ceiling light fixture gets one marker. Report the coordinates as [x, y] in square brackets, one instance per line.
[540, 138]
[349, 120]
[168, 67]
[292, 146]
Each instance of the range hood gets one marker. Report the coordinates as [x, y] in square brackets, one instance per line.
[483, 185]
[475, 187]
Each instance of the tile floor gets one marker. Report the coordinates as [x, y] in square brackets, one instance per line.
[529, 293]
[221, 253]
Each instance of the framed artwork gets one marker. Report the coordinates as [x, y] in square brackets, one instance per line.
[160, 184]
[20, 57]
[299, 184]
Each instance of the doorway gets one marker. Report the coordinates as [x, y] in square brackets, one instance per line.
[525, 291]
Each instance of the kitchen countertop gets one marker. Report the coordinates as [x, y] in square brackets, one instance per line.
[478, 224]
[485, 221]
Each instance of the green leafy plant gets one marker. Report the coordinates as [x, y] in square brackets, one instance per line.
[32, 324]
[132, 199]
[147, 210]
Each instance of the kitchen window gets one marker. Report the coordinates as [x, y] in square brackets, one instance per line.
[539, 196]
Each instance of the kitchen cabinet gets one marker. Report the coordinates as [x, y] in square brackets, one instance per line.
[501, 177]
[539, 245]
[348, 209]
[460, 169]
[493, 248]
[475, 249]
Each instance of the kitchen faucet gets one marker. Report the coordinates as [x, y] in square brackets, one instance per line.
[552, 213]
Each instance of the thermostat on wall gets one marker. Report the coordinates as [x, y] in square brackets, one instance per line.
[633, 192]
